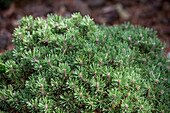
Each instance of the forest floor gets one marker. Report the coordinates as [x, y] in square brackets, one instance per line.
[154, 14]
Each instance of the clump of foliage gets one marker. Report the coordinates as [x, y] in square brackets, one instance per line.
[5, 3]
[72, 65]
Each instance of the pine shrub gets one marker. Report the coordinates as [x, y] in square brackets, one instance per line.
[72, 65]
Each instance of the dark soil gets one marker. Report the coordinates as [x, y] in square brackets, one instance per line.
[154, 14]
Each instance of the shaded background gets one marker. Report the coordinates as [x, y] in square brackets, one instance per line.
[154, 14]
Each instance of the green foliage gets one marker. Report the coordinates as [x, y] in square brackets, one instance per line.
[72, 65]
[5, 3]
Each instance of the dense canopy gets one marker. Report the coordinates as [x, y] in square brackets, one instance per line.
[71, 64]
